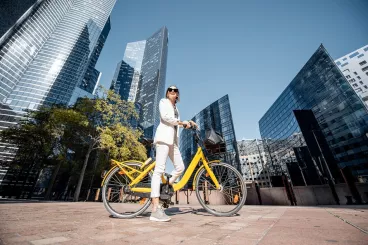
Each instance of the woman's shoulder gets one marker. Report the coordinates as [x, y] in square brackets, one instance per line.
[164, 100]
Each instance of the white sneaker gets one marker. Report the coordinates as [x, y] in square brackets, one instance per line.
[159, 215]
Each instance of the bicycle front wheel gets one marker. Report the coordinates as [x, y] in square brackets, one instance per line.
[120, 203]
[231, 196]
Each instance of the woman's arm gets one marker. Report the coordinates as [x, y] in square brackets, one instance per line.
[165, 115]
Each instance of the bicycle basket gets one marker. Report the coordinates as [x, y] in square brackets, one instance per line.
[214, 143]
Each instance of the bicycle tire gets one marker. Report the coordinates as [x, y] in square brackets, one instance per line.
[106, 202]
[243, 191]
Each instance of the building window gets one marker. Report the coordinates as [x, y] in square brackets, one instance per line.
[355, 85]
[358, 77]
[361, 55]
[344, 64]
[352, 80]
[338, 63]
[348, 76]
[353, 55]
[363, 62]
[365, 68]
[365, 86]
[355, 73]
[360, 82]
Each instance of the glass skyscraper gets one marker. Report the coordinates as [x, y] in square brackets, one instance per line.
[50, 54]
[140, 77]
[318, 127]
[123, 80]
[218, 117]
[92, 76]
[48, 57]
[128, 71]
[12, 11]
[152, 87]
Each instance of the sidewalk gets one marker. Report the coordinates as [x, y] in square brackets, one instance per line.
[89, 223]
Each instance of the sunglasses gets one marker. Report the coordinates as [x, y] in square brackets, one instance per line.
[173, 89]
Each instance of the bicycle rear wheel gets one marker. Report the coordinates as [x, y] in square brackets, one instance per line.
[118, 201]
[230, 198]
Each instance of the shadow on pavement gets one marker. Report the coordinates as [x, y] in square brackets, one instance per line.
[9, 201]
[175, 211]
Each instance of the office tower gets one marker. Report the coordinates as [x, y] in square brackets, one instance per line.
[217, 116]
[13, 11]
[253, 162]
[140, 77]
[317, 127]
[128, 71]
[354, 66]
[48, 57]
[152, 88]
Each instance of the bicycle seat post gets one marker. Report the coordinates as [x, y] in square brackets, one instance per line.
[168, 176]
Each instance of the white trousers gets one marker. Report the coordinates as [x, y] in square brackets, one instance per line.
[162, 152]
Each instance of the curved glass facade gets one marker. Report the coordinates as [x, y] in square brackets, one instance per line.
[317, 119]
[218, 117]
[12, 11]
[22, 47]
[49, 56]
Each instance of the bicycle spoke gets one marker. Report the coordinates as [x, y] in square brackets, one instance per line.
[117, 202]
[230, 198]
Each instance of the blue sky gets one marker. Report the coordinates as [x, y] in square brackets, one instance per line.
[250, 50]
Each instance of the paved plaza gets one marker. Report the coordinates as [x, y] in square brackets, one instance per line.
[89, 223]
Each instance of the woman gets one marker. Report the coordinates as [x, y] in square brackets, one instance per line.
[166, 141]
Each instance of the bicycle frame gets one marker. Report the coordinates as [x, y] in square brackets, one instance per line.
[199, 156]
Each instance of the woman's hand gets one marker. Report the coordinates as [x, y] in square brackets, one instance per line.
[193, 124]
[188, 125]
[185, 124]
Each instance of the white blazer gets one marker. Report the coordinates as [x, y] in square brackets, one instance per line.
[165, 130]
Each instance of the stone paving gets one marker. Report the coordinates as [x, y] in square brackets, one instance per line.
[89, 223]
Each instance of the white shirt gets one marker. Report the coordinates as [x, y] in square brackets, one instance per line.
[165, 132]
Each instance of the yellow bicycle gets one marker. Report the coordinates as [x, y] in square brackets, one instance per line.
[219, 187]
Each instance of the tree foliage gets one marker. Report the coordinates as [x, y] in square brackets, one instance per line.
[61, 135]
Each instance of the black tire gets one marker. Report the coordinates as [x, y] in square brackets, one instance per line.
[233, 193]
[114, 206]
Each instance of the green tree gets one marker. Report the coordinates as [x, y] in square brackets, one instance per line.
[108, 128]
[63, 122]
[34, 141]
